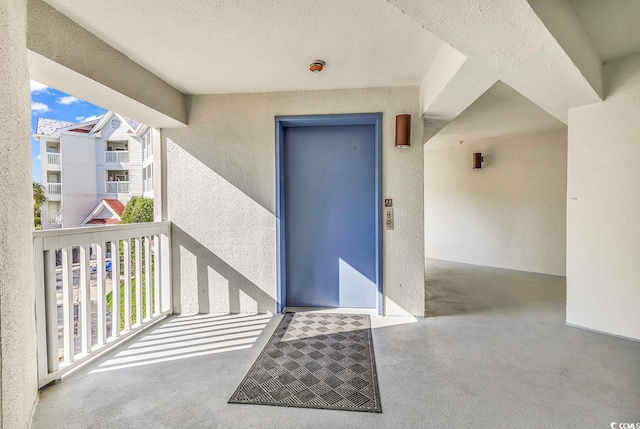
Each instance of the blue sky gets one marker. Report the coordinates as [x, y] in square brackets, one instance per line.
[47, 102]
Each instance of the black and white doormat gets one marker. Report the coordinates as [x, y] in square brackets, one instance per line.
[315, 360]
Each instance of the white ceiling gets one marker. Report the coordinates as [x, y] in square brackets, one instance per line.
[499, 112]
[613, 25]
[223, 46]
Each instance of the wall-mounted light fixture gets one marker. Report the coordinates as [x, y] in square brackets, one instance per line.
[477, 161]
[403, 131]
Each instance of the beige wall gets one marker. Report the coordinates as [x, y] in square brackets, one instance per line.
[603, 212]
[510, 214]
[221, 197]
[18, 378]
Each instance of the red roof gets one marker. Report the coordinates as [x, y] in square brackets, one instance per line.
[103, 222]
[116, 206]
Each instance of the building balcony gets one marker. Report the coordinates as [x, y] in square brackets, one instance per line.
[54, 188]
[116, 157]
[53, 158]
[54, 218]
[116, 187]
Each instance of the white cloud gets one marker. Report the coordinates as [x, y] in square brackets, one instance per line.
[88, 118]
[68, 99]
[38, 87]
[39, 157]
[39, 107]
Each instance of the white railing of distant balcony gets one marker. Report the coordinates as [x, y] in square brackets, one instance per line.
[54, 188]
[55, 218]
[148, 185]
[118, 156]
[53, 158]
[117, 187]
[78, 315]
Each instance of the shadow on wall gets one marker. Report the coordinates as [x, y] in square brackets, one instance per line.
[238, 150]
[217, 288]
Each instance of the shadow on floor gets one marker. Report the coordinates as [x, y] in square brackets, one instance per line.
[188, 337]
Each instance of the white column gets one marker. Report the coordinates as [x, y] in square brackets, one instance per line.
[159, 176]
[17, 282]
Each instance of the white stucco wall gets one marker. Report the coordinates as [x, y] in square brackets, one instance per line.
[603, 208]
[510, 214]
[18, 380]
[221, 197]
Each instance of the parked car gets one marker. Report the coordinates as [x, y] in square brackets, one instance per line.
[94, 269]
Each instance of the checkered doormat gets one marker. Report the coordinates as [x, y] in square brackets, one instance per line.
[315, 360]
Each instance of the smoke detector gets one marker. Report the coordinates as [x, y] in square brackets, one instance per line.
[316, 66]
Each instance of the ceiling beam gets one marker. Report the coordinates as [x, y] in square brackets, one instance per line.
[547, 58]
[69, 58]
[452, 84]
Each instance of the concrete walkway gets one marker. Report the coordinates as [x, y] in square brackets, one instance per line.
[495, 354]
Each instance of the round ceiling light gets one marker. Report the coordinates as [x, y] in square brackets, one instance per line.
[316, 66]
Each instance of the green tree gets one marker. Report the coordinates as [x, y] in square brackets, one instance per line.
[39, 198]
[138, 209]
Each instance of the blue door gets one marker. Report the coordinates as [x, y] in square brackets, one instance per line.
[330, 211]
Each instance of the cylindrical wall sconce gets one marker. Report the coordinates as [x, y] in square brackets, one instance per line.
[403, 131]
[477, 161]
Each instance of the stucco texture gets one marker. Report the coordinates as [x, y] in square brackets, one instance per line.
[509, 214]
[603, 206]
[221, 197]
[17, 318]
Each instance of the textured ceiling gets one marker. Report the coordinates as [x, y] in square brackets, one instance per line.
[499, 112]
[613, 25]
[223, 46]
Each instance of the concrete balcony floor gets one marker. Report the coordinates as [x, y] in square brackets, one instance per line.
[495, 354]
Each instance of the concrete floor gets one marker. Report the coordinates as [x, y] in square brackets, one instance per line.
[494, 354]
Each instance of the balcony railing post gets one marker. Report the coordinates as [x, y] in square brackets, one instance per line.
[85, 295]
[147, 278]
[41, 312]
[51, 309]
[67, 304]
[127, 283]
[164, 265]
[138, 252]
[101, 291]
[156, 274]
[115, 288]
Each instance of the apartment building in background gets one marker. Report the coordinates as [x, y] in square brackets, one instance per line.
[91, 169]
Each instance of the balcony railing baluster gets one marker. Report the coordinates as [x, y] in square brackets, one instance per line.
[68, 293]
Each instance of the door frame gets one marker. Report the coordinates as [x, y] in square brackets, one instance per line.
[282, 122]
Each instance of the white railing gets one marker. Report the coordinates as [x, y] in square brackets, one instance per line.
[78, 315]
[54, 188]
[119, 156]
[148, 185]
[116, 187]
[53, 158]
[55, 218]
